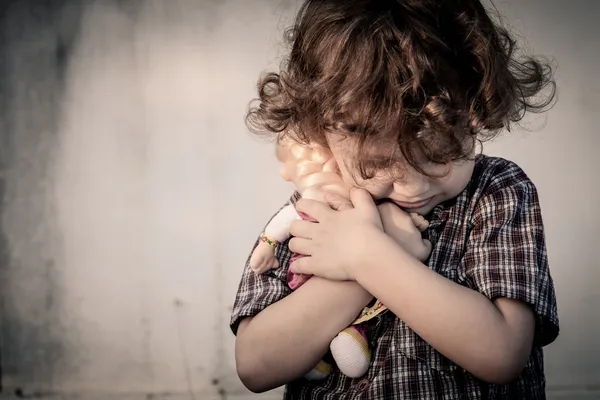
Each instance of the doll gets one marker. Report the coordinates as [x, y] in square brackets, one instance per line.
[314, 172]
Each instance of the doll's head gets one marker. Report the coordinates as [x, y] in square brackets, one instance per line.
[313, 171]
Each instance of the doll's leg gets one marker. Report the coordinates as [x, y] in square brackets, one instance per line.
[322, 369]
[319, 372]
[350, 350]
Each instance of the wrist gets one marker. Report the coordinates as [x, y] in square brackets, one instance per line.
[362, 296]
[354, 294]
[379, 246]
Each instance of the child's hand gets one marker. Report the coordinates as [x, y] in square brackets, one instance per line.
[339, 242]
[405, 229]
[420, 222]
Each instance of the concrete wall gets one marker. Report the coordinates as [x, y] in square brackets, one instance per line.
[132, 191]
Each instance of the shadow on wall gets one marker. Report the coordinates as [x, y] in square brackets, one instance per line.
[35, 40]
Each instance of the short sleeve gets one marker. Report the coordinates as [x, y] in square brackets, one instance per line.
[257, 292]
[506, 254]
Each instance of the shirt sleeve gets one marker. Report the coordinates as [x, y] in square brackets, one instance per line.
[506, 255]
[257, 292]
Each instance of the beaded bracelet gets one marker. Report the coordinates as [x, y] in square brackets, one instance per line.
[269, 240]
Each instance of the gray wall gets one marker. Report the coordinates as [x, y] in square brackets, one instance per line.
[132, 191]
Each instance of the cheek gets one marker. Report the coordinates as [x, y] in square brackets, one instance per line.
[378, 188]
[452, 187]
[458, 179]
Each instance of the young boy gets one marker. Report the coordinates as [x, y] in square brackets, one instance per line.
[401, 91]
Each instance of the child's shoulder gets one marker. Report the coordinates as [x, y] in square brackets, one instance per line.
[498, 187]
[494, 174]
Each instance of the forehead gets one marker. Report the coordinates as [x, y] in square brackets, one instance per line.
[351, 149]
[383, 162]
[376, 154]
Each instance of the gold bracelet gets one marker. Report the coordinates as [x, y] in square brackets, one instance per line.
[268, 240]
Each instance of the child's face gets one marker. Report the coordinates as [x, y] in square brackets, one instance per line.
[413, 192]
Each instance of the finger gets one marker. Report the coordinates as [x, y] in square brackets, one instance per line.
[301, 246]
[399, 216]
[301, 228]
[420, 222]
[426, 250]
[428, 245]
[341, 205]
[361, 198]
[337, 201]
[315, 209]
[302, 266]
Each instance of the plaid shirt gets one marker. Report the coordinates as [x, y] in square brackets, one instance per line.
[490, 238]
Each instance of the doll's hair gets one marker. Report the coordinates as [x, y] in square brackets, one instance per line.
[313, 171]
[410, 78]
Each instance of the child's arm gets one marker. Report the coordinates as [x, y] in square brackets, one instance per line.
[490, 340]
[282, 334]
[488, 331]
[285, 340]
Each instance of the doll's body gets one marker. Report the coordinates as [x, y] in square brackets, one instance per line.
[314, 173]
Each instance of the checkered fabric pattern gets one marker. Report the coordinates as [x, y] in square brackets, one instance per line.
[490, 238]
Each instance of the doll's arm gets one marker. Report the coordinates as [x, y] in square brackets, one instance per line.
[276, 232]
[279, 227]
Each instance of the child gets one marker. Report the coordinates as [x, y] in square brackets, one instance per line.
[400, 91]
[315, 174]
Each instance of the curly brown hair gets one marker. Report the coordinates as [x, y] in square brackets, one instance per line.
[416, 76]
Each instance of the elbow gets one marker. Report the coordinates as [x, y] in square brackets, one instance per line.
[503, 370]
[514, 344]
[252, 378]
[502, 375]
[246, 368]
[249, 371]
[250, 381]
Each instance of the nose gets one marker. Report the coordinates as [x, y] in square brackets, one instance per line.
[413, 188]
